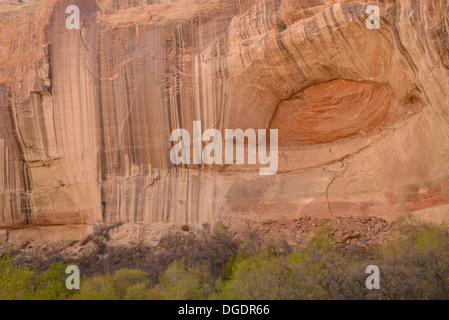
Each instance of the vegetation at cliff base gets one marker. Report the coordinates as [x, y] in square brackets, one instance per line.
[22, 283]
[415, 265]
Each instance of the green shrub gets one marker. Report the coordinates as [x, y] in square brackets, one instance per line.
[416, 265]
[306, 277]
[259, 277]
[185, 283]
[126, 278]
[281, 26]
[313, 272]
[124, 284]
[98, 288]
[16, 282]
[50, 285]
[138, 291]
[22, 283]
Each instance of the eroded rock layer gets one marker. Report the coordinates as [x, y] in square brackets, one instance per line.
[86, 114]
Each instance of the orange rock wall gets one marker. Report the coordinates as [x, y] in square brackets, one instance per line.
[86, 114]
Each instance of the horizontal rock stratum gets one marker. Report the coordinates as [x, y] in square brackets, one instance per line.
[86, 114]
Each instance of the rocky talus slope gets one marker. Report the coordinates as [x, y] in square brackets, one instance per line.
[152, 248]
[86, 114]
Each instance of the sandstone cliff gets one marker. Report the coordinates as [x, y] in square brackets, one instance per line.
[86, 114]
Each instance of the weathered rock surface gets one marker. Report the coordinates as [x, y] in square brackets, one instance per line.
[86, 114]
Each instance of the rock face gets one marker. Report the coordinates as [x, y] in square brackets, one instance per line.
[86, 114]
